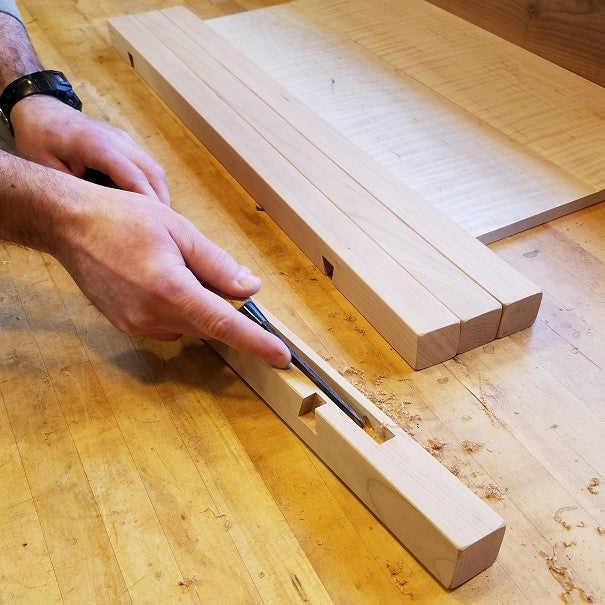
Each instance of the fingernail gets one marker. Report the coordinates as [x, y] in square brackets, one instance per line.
[283, 359]
[247, 280]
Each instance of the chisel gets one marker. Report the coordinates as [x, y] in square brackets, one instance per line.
[250, 310]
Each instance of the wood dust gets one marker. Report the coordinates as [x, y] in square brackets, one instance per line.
[397, 570]
[565, 576]
[593, 484]
[493, 492]
[471, 446]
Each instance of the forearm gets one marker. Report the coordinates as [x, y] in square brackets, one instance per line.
[17, 56]
[36, 203]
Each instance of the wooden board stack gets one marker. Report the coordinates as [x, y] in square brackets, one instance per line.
[428, 287]
[449, 529]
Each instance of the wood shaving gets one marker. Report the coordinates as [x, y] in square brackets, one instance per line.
[562, 574]
[557, 516]
[471, 446]
[493, 492]
[593, 484]
[435, 447]
[396, 570]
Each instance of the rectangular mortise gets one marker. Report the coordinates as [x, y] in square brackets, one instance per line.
[328, 267]
[307, 410]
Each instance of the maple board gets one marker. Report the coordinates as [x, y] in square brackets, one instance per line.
[468, 120]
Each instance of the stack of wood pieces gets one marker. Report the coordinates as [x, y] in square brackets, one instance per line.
[429, 287]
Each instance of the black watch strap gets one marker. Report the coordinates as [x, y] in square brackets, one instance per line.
[48, 82]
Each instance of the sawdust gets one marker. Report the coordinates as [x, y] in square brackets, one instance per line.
[388, 402]
[188, 581]
[226, 520]
[471, 446]
[396, 570]
[565, 576]
[593, 484]
[559, 519]
[435, 447]
[297, 584]
[493, 492]
[600, 530]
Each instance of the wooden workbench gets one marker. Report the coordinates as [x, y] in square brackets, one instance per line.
[138, 471]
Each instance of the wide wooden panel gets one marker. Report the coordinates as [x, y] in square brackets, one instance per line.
[469, 121]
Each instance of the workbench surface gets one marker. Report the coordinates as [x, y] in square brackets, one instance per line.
[139, 471]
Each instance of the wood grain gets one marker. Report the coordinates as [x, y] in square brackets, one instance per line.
[568, 33]
[444, 525]
[447, 108]
[296, 528]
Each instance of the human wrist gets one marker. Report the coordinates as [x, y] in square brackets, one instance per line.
[33, 107]
[41, 208]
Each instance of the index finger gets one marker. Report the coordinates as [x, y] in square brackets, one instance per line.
[210, 316]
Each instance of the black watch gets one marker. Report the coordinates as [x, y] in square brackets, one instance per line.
[48, 82]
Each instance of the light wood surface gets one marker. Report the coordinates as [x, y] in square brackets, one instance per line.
[451, 531]
[466, 119]
[136, 471]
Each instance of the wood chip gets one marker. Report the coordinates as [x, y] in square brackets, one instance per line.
[471, 446]
[493, 492]
[557, 516]
[593, 484]
[565, 576]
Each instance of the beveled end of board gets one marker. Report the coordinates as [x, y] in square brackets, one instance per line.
[520, 314]
[480, 330]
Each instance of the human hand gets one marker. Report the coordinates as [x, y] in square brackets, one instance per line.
[141, 265]
[51, 133]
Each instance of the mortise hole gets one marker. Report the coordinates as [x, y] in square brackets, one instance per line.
[131, 59]
[307, 414]
[328, 267]
[381, 434]
[307, 410]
